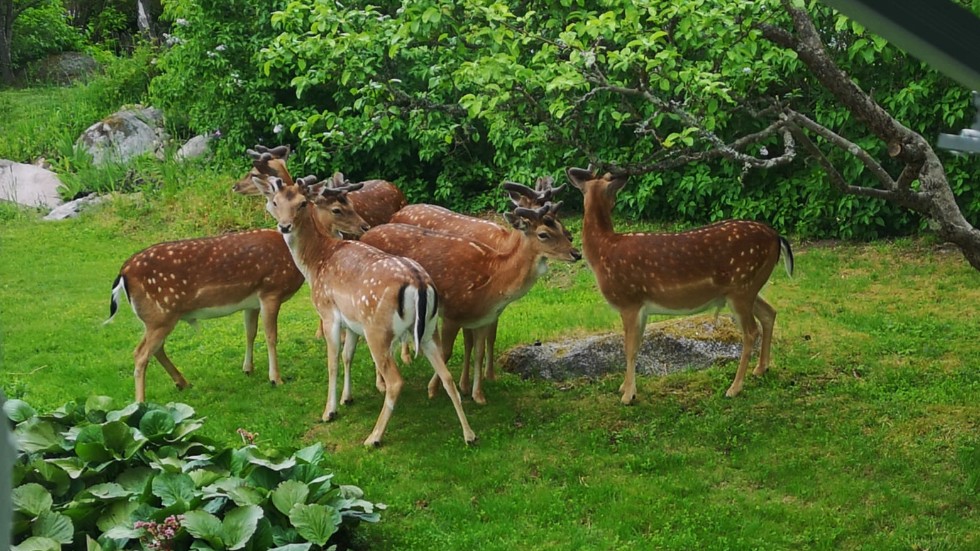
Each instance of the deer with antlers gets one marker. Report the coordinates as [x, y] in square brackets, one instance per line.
[679, 273]
[478, 279]
[210, 277]
[478, 229]
[375, 201]
[361, 290]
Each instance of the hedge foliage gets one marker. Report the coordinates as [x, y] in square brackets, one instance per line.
[449, 98]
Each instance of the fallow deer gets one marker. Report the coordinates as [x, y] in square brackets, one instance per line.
[265, 163]
[679, 273]
[361, 290]
[477, 280]
[212, 277]
[442, 219]
[377, 201]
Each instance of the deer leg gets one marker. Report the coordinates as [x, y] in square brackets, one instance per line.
[270, 324]
[766, 315]
[491, 341]
[393, 385]
[350, 346]
[175, 374]
[406, 353]
[468, 341]
[430, 348]
[152, 340]
[447, 338]
[480, 338]
[750, 331]
[633, 320]
[331, 332]
[251, 317]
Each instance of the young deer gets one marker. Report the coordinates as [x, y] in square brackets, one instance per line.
[442, 219]
[212, 277]
[363, 291]
[478, 279]
[679, 273]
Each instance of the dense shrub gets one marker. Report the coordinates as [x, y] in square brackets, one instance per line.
[101, 478]
[42, 31]
[451, 98]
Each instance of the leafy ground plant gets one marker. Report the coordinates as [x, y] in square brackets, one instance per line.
[101, 478]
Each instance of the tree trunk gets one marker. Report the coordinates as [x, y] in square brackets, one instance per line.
[933, 198]
[6, 40]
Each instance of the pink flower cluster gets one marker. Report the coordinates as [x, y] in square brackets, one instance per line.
[159, 536]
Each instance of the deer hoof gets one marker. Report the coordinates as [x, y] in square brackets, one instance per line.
[480, 399]
[732, 392]
[372, 443]
[472, 440]
[329, 417]
[628, 399]
[348, 401]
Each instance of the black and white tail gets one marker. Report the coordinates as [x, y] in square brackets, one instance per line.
[787, 254]
[118, 289]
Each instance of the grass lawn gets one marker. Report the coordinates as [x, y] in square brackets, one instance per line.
[864, 434]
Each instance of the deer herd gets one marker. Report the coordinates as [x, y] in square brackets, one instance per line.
[416, 275]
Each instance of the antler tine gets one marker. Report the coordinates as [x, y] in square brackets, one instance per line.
[306, 181]
[520, 188]
[261, 148]
[543, 183]
[253, 153]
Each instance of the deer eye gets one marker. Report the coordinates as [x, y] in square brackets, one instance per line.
[335, 210]
[303, 204]
[275, 204]
[544, 236]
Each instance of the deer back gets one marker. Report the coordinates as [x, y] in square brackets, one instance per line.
[376, 201]
[439, 218]
[209, 277]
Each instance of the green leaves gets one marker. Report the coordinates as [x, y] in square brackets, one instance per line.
[315, 523]
[134, 472]
[231, 533]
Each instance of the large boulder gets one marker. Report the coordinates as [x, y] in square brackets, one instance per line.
[29, 185]
[124, 135]
[668, 347]
[66, 68]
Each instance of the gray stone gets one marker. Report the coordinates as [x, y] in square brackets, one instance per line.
[124, 135]
[29, 185]
[668, 347]
[194, 148]
[72, 209]
[67, 68]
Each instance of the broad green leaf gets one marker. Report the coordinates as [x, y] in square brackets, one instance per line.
[37, 544]
[91, 544]
[53, 525]
[172, 488]
[55, 477]
[247, 495]
[204, 526]
[18, 411]
[123, 532]
[107, 491]
[124, 413]
[258, 458]
[93, 452]
[120, 439]
[156, 424]
[310, 454]
[31, 499]
[289, 494]
[72, 466]
[239, 525]
[36, 435]
[180, 412]
[135, 479]
[293, 547]
[316, 523]
[117, 515]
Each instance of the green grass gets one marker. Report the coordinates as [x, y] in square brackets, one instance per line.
[863, 435]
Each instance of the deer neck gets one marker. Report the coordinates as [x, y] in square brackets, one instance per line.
[525, 264]
[309, 243]
[597, 225]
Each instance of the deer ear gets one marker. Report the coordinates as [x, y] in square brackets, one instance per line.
[579, 176]
[267, 186]
[518, 222]
[616, 183]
